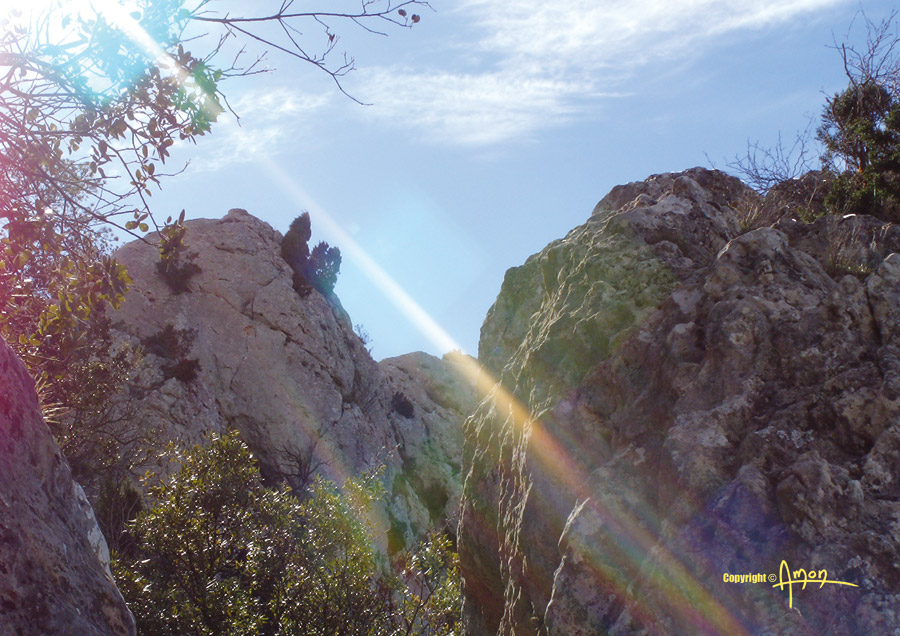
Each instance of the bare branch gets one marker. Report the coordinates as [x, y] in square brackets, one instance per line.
[764, 167]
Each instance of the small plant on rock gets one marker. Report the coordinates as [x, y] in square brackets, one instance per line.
[174, 345]
[176, 266]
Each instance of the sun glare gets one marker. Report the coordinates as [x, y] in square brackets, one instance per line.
[56, 17]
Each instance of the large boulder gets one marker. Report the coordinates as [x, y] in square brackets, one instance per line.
[682, 397]
[54, 564]
[234, 346]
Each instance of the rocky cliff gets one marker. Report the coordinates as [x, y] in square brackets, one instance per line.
[54, 565]
[684, 397]
[233, 346]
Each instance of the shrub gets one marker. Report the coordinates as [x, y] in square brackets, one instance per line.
[317, 270]
[860, 129]
[174, 345]
[176, 265]
[294, 245]
[219, 553]
[323, 268]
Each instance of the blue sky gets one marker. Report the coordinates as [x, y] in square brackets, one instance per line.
[494, 127]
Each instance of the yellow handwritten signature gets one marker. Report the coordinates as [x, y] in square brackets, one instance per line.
[804, 577]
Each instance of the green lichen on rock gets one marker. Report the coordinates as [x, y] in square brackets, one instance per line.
[570, 307]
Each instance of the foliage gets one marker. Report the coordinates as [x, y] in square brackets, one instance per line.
[212, 550]
[428, 602]
[323, 267]
[117, 504]
[219, 553]
[174, 345]
[316, 270]
[861, 135]
[176, 265]
[295, 252]
[56, 286]
[93, 97]
[294, 245]
[860, 129]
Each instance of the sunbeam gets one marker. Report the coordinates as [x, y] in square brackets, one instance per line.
[633, 542]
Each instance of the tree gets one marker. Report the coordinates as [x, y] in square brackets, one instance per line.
[212, 550]
[92, 93]
[295, 252]
[295, 244]
[860, 129]
[91, 102]
[763, 168]
[55, 289]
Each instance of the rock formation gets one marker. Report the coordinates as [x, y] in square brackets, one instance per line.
[241, 349]
[683, 397]
[54, 565]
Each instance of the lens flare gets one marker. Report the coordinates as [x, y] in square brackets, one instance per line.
[627, 532]
[680, 590]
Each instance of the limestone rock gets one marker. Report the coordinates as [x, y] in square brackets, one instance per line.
[289, 373]
[54, 565]
[693, 398]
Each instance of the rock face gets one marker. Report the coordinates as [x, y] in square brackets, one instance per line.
[241, 349]
[683, 397]
[54, 566]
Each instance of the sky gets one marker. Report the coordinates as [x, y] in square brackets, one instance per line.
[493, 127]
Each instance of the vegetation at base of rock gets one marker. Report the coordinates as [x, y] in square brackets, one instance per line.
[217, 552]
[312, 270]
[58, 280]
[117, 505]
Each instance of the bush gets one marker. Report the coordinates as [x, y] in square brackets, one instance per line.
[317, 270]
[323, 268]
[174, 345]
[219, 553]
[294, 245]
[860, 129]
[176, 265]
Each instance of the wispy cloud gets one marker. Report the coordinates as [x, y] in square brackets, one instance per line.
[586, 35]
[269, 120]
[544, 62]
[470, 109]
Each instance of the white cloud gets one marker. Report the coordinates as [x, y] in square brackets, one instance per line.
[269, 121]
[544, 62]
[587, 35]
[470, 109]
